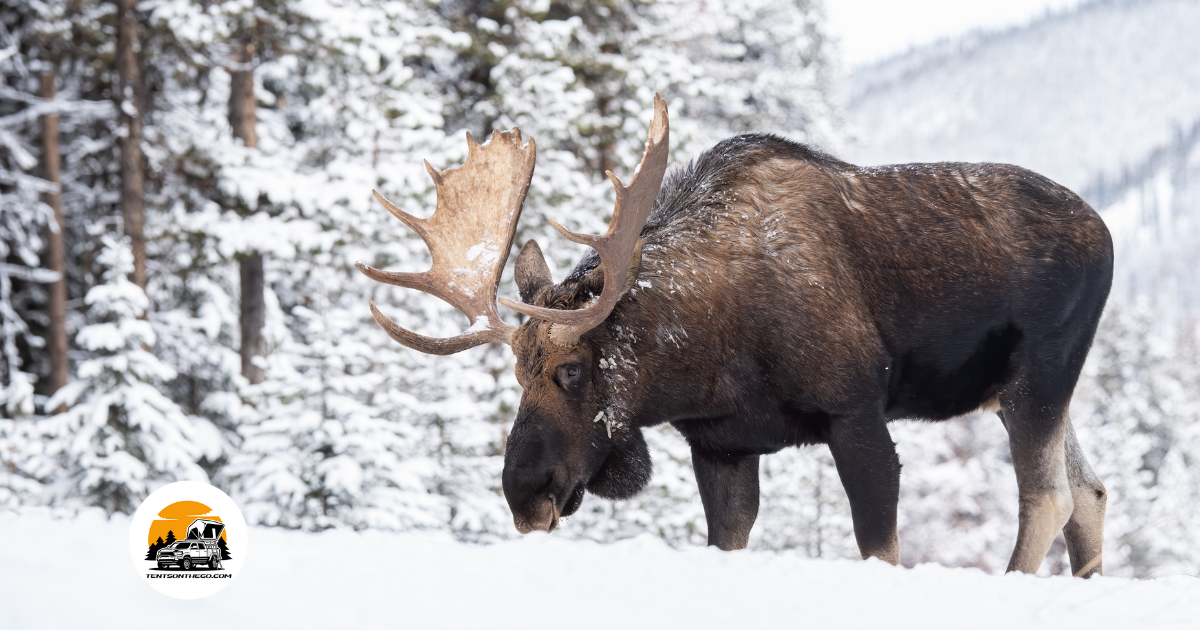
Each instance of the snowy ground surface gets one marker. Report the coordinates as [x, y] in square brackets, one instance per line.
[72, 573]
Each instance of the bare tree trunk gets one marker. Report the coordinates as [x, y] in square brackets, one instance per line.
[129, 105]
[57, 343]
[243, 113]
[253, 317]
[243, 117]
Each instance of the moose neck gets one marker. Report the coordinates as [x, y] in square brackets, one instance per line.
[660, 357]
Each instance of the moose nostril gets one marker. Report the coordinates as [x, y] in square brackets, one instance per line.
[544, 484]
[530, 482]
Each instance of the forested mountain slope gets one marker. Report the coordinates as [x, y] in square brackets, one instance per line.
[1104, 99]
[1077, 96]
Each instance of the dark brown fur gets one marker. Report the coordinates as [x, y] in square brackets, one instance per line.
[788, 298]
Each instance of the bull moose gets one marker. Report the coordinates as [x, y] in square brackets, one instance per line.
[768, 295]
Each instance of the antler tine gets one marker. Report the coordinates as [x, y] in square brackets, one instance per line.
[416, 224]
[433, 345]
[620, 243]
[469, 237]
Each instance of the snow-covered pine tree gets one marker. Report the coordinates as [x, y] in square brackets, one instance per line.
[759, 65]
[1136, 413]
[337, 434]
[120, 437]
[23, 215]
[194, 280]
[39, 40]
[958, 492]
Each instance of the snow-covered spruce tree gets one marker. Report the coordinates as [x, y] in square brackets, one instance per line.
[40, 41]
[958, 492]
[120, 437]
[194, 280]
[347, 427]
[49, 47]
[760, 65]
[210, 57]
[23, 216]
[1136, 414]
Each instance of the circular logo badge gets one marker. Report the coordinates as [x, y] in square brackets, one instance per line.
[188, 540]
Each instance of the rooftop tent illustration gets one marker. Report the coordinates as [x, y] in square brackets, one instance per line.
[205, 529]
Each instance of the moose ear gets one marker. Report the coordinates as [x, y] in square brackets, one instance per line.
[531, 274]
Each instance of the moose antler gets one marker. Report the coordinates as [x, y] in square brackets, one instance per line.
[469, 236]
[621, 243]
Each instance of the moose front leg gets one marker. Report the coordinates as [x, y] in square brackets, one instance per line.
[729, 492]
[869, 468]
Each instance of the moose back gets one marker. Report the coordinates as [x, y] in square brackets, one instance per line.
[768, 295]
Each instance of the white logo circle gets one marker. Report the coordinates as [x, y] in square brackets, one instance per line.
[188, 540]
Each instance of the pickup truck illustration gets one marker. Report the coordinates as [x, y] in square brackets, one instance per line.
[200, 547]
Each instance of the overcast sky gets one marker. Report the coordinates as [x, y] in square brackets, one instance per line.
[872, 29]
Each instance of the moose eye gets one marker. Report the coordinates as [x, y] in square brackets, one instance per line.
[568, 375]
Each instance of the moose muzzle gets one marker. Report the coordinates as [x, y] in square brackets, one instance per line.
[537, 483]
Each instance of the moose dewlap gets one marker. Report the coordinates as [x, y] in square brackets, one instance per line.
[768, 295]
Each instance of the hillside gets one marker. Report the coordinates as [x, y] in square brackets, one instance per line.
[1072, 95]
[1104, 99]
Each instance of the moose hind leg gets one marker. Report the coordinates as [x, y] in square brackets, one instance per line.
[869, 468]
[729, 491]
[1036, 436]
[1085, 531]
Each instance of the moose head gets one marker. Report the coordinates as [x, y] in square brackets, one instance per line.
[565, 439]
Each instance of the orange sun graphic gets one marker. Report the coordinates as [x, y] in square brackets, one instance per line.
[176, 517]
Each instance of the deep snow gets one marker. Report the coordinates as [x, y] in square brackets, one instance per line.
[72, 573]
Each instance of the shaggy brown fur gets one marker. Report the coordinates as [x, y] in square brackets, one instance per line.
[788, 298]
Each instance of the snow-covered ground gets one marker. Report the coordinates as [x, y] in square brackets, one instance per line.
[72, 573]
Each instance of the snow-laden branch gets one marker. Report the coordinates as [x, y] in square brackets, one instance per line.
[28, 181]
[29, 274]
[49, 107]
[23, 157]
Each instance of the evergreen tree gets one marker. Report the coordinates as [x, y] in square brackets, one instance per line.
[53, 70]
[224, 548]
[120, 436]
[1136, 414]
[22, 221]
[154, 548]
[332, 435]
[170, 537]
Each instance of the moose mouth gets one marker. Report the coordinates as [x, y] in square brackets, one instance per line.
[550, 510]
[573, 501]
